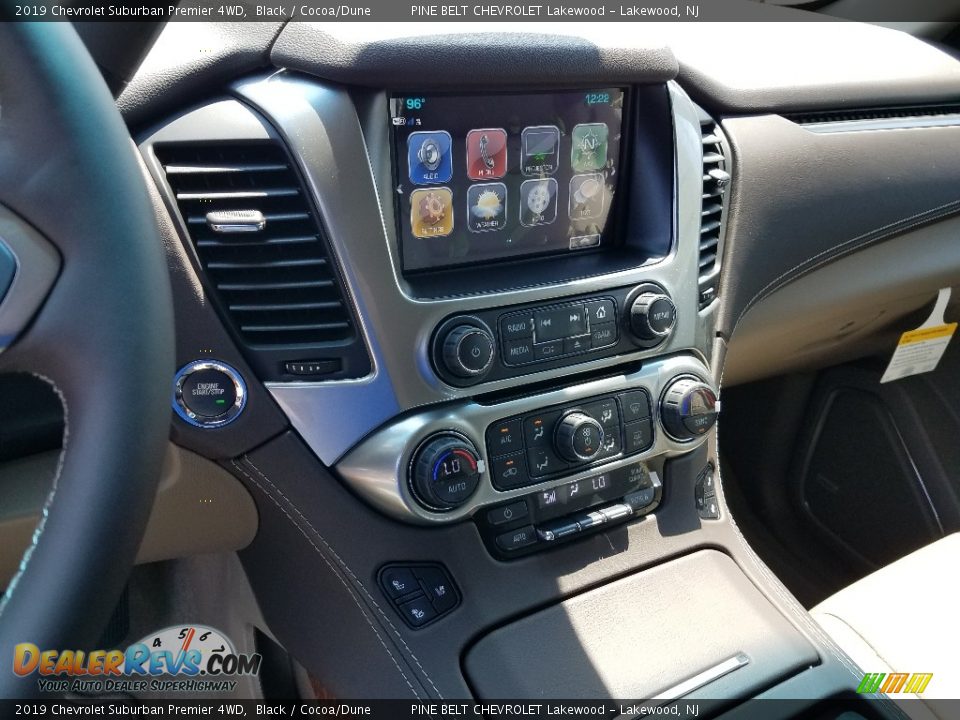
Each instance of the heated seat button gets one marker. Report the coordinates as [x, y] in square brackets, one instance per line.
[418, 611]
[399, 581]
[439, 588]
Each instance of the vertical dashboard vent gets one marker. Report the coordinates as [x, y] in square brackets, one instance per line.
[716, 180]
[263, 252]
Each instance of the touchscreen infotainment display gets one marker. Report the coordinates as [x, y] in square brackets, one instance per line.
[482, 178]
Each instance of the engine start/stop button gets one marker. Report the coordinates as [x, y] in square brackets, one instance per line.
[208, 393]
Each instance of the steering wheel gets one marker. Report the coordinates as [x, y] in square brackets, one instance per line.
[89, 311]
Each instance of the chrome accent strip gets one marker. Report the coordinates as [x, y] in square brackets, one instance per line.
[704, 678]
[377, 468]
[901, 123]
[236, 221]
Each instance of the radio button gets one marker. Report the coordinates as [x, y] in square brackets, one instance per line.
[515, 327]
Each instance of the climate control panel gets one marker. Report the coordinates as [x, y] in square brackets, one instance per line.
[507, 342]
[558, 440]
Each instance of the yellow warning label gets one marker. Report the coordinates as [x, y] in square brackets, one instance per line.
[930, 333]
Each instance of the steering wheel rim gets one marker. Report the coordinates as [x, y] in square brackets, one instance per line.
[103, 337]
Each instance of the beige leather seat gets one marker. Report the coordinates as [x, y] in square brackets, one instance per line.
[904, 618]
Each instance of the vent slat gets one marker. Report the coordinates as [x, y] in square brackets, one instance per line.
[276, 285]
[715, 183]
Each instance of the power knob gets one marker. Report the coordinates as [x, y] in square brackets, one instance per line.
[578, 437]
[652, 316]
[688, 409]
[467, 351]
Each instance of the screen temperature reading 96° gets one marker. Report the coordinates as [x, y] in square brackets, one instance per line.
[495, 177]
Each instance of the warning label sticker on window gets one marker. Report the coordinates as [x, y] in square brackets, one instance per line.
[920, 350]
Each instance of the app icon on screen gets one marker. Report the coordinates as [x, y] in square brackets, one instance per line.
[487, 207]
[538, 202]
[588, 150]
[540, 150]
[486, 154]
[586, 196]
[431, 212]
[429, 157]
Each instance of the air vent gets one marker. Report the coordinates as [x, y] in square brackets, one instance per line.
[261, 247]
[716, 179]
[909, 112]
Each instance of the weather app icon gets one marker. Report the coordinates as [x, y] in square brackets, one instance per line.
[487, 207]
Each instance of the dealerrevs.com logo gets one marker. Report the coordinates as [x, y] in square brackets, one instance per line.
[183, 658]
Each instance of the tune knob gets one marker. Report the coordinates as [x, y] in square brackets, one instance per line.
[652, 316]
[468, 351]
[445, 471]
[578, 437]
[688, 409]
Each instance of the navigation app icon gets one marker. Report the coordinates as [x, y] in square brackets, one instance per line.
[588, 150]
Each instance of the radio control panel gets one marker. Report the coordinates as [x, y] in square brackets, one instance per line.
[506, 342]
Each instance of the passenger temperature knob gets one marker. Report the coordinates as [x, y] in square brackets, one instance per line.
[688, 409]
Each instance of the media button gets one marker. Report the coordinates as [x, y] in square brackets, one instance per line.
[486, 154]
[540, 148]
[538, 202]
[518, 352]
[487, 207]
[429, 159]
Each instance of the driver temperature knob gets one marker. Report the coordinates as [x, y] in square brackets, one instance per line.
[445, 471]
[688, 409]
[578, 437]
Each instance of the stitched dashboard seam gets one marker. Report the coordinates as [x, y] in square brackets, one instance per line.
[832, 253]
[45, 511]
[350, 591]
[350, 572]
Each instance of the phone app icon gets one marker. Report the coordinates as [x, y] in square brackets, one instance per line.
[429, 158]
[486, 154]
[540, 150]
[431, 212]
[588, 150]
[538, 202]
[587, 193]
[487, 207]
